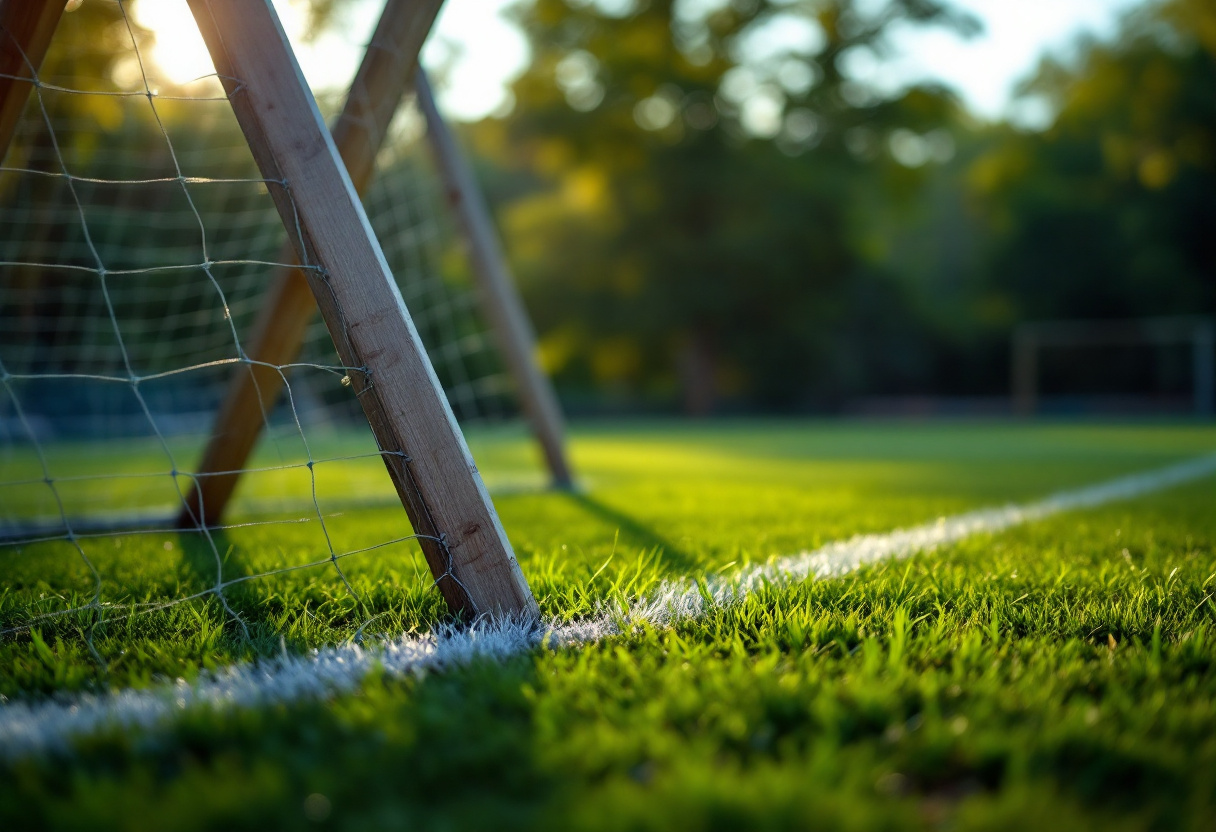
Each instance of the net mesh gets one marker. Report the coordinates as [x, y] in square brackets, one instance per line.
[137, 243]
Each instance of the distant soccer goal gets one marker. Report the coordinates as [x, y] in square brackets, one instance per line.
[1104, 343]
[164, 375]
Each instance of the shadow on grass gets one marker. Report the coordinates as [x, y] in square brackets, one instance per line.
[636, 533]
[207, 562]
[276, 611]
[442, 751]
[199, 557]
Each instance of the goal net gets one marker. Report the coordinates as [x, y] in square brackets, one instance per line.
[137, 244]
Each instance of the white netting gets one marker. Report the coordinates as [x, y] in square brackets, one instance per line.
[137, 240]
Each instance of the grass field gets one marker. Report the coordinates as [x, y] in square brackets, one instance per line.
[1060, 675]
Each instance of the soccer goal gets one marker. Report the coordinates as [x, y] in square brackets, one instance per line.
[166, 384]
[1031, 340]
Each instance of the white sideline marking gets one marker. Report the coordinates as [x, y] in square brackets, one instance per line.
[30, 728]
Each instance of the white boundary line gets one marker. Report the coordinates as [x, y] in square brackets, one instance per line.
[47, 726]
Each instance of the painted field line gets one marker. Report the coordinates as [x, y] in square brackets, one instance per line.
[32, 728]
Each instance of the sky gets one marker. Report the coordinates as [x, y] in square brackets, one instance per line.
[986, 69]
[482, 52]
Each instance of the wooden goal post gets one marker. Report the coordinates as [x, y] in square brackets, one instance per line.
[496, 290]
[288, 307]
[421, 444]
[388, 71]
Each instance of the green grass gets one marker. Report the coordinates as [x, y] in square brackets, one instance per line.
[1060, 675]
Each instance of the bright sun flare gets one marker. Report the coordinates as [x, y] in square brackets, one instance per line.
[178, 51]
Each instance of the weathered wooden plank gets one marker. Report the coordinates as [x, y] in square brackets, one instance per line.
[424, 451]
[26, 29]
[384, 76]
[500, 300]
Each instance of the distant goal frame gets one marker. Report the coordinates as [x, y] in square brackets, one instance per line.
[1032, 337]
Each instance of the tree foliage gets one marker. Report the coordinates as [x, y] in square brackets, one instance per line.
[1110, 211]
[704, 204]
[700, 197]
[699, 165]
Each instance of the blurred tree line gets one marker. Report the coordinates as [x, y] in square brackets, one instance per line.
[707, 209]
[703, 205]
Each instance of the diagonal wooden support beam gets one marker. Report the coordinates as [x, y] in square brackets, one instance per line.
[26, 29]
[499, 298]
[380, 84]
[384, 77]
[422, 446]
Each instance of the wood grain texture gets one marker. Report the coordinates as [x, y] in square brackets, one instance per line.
[500, 300]
[424, 451]
[26, 29]
[384, 76]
